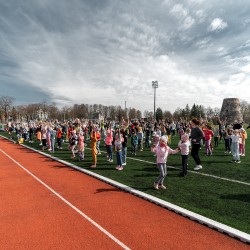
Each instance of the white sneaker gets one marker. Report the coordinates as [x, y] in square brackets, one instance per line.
[198, 167]
[124, 164]
[156, 186]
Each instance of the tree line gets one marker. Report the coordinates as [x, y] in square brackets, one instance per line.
[44, 110]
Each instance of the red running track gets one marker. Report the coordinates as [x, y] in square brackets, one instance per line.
[47, 205]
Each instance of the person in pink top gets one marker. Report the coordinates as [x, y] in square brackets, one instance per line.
[108, 143]
[162, 150]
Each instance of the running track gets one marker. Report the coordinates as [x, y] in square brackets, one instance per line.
[47, 205]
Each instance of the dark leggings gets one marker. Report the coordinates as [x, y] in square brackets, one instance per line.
[195, 153]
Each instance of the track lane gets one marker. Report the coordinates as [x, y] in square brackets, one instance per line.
[137, 223]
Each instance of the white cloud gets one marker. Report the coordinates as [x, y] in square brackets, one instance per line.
[178, 10]
[246, 68]
[217, 25]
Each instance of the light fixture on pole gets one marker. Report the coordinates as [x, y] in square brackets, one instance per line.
[155, 86]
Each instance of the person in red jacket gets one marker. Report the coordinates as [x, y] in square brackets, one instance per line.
[208, 133]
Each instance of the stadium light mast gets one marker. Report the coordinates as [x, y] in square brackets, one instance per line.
[154, 86]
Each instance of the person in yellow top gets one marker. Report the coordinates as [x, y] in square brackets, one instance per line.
[243, 141]
[94, 152]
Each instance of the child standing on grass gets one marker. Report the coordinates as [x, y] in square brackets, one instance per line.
[208, 133]
[124, 146]
[108, 143]
[243, 141]
[53, 140]
[93, 139]
[118, 150]
[162, 151]
[98, 136]
[184, 145]
[227, 140]
[235, 146]
[81, 146]
[134, 142]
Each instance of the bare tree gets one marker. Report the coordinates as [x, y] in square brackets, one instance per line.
[244, 108]
[6, 104]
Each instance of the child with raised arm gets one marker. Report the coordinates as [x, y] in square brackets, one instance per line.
[162, 150]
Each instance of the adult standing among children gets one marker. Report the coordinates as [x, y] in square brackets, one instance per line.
[196, 137]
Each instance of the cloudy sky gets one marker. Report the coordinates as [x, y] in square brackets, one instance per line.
[109, 51]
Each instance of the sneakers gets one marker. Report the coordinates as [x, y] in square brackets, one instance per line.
[156, 186]
[162, 187]
[238, 161]
[124, 164]
[93, 166]
[198, 167]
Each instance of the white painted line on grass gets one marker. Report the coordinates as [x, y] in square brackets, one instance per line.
[196, 172]
[70, 205]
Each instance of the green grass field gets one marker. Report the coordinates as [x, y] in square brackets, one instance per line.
[220, 191]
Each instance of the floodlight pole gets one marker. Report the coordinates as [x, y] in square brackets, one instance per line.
[155, 86]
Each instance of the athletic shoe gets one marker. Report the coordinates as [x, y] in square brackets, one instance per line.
[243, 155]
[162, 187]
[156, 186]
[198, 167]
[93, 166]
[238, 161]
[111, 160]
[117, 167]
[233, 160]
[120, 168]
[124, 164]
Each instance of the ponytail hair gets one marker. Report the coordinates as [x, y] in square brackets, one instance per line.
[196, 121]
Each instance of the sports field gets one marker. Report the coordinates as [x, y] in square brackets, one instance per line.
[220, 191]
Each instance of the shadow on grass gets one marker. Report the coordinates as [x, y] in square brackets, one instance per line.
[238, 197]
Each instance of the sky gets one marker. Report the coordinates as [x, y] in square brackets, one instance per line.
[109, 51]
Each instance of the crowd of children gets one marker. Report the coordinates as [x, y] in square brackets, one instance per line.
[116, 136]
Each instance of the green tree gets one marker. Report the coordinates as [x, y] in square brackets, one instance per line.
[159, 114]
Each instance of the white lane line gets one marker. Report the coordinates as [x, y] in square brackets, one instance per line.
[71, 205]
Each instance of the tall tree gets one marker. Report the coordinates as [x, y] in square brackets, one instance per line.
[159, 114]
[6, 104]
